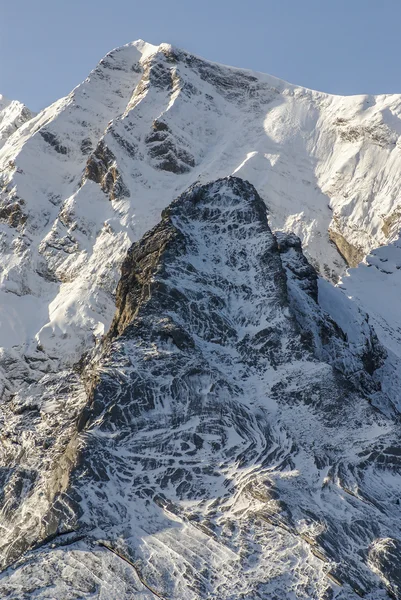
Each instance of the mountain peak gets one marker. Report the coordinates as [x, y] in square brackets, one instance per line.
[208, 434]
[13, 114]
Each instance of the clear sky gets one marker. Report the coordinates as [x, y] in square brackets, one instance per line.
[339, 46]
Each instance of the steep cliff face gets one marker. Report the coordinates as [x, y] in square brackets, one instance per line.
[338, 331]
[216, 453]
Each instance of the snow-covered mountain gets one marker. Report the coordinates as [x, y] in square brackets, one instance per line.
[90, 174]
[230, 429]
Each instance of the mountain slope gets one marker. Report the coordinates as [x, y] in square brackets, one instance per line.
[215, 457]
[91, 173]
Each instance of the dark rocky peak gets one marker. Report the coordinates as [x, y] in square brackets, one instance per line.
[215, 237]
[203, 399]
[212, 437]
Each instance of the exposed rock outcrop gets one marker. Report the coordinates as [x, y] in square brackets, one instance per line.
[102, 169]
[351, 254]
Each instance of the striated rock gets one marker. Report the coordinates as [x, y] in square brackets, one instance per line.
[162, 146]
[215, 444]
[51, 139]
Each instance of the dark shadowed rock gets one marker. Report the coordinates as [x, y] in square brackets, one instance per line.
[102, 169]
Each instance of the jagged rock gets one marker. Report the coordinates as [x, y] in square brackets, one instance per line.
[161, 145]
[51, 139]
[291, 248]
[102, 169]
[13, 214]
[86, 146]
[357, 358]
[13, 115]
[385, 558]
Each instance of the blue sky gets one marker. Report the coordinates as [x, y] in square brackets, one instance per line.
[339, 46]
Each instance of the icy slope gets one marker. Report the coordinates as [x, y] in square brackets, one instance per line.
[91, 173]
[216, 457]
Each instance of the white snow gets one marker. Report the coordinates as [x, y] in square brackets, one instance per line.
[319, 161]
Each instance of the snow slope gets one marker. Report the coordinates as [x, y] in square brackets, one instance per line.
[13, 114]
[376, 285]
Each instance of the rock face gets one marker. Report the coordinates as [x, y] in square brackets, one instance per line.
[335, 330]
[216, 452]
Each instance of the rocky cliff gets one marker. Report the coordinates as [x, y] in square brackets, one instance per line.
[209, 447]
